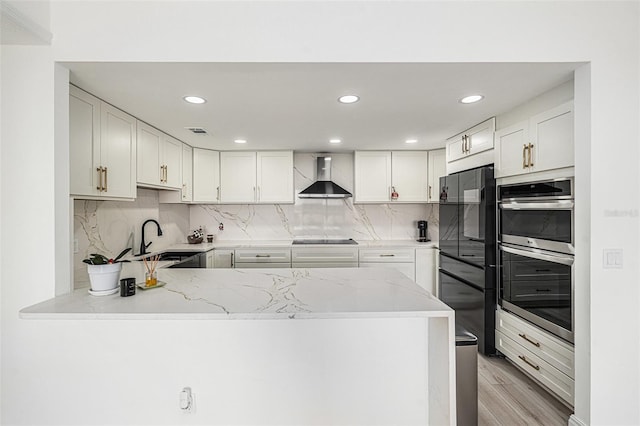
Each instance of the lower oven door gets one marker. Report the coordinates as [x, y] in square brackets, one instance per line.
[538, 286]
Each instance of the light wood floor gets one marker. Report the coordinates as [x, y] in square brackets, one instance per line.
[508, 397]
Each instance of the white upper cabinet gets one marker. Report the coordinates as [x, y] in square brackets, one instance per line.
[275, 177]
[102, 145]
[238, 177]
[84, 143]
[409, 176]
[379, 173]
[437, 169]
[471, 148]
[185, 194]
[206, 176]
[159, 158]
[544, 142]
[256, 177]
[372, 177]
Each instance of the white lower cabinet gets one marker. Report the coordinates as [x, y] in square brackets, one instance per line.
[427, 269]
[222, 258]
[262, 258]
[324, 257]
[545, 357]
[401, 259]
[210, 259]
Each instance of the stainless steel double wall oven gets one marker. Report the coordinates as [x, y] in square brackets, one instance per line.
[536, 253]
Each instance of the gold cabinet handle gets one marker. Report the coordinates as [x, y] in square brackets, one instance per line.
[184, 191]
[537, 367]
[534, 343]
[387, 255]
[218, 193]
[524, 156]
[106, 175]
[530, 155]
[99, 170]
[263, 255]
[467, 144]
[463, 143]
[429, 192]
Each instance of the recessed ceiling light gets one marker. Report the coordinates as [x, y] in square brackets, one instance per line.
[348, 99]
[194, 99]
[334, 141]
[240, 141]
[411, 141]
[471, 99]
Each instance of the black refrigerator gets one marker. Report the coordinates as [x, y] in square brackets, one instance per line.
[467, 270]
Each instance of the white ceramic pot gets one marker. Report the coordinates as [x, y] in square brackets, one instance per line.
[104, 277]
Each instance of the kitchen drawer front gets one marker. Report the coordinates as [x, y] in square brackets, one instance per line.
[263, 256]
[556, 352]
[387, 255]
[324, 265]
[325, 254]
[556, 381]
[407, 268]
[251, 265]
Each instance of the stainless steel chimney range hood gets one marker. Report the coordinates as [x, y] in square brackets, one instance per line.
[323, 187]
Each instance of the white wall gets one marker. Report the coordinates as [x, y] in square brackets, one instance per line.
[602, 33]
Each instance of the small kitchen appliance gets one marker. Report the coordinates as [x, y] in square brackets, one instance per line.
[422, 231]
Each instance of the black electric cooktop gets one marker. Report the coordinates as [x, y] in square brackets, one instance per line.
[325, 241]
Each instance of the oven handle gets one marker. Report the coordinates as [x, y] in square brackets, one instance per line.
[553, 205]
[539, 254]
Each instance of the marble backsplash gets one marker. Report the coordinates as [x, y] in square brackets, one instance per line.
[108, 227]
[316, 218]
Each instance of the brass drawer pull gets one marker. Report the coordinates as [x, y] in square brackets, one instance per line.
[106, 185]
[537, 367]
[99, 187]
[524, 156]
[530, 155]
[263, 255]
[387, 255]
[524, 336]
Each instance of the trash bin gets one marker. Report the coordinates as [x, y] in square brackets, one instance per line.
[466, 377]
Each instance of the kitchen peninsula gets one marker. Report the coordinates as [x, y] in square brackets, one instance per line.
[309, 346]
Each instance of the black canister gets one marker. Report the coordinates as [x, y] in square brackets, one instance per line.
[127, 287]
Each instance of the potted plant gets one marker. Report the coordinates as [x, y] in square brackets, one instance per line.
[103, 271]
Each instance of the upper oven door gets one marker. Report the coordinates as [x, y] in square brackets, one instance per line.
[538, 286]
[546, 225]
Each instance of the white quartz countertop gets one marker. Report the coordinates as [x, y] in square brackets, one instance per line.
[255, 294]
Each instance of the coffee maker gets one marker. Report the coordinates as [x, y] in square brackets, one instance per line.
[422, 231]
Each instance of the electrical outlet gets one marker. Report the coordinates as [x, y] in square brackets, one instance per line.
[612, 258]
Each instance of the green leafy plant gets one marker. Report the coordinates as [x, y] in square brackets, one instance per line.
[99, 259]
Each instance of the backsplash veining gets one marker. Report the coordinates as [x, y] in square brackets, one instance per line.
[110, 226]
[316, 218]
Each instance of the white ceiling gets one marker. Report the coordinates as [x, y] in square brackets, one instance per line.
[294, 105]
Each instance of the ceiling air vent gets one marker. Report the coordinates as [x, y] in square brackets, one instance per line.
[197, 130]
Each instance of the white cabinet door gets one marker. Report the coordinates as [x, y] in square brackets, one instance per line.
[480, 137]
[437, 168]
[409, 175]
[187, 173]
[238, 177]
[372, 176]
[172, 162]
[511, 150]
[552, 138]
[456, 147]
[149, 170]
[206, 176]
[210, 259]
[223, 258]
[118, 152]
[426, 269]
[84, 143]
[275, 177]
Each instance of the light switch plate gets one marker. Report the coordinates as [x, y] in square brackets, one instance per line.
[612, 258]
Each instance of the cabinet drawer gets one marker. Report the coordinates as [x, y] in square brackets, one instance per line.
[387, 255]
[551, 349]
[556, 381]
[251, 265]
[325, 254]
[263, 256]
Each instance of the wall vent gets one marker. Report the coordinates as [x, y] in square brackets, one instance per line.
[197, 130]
